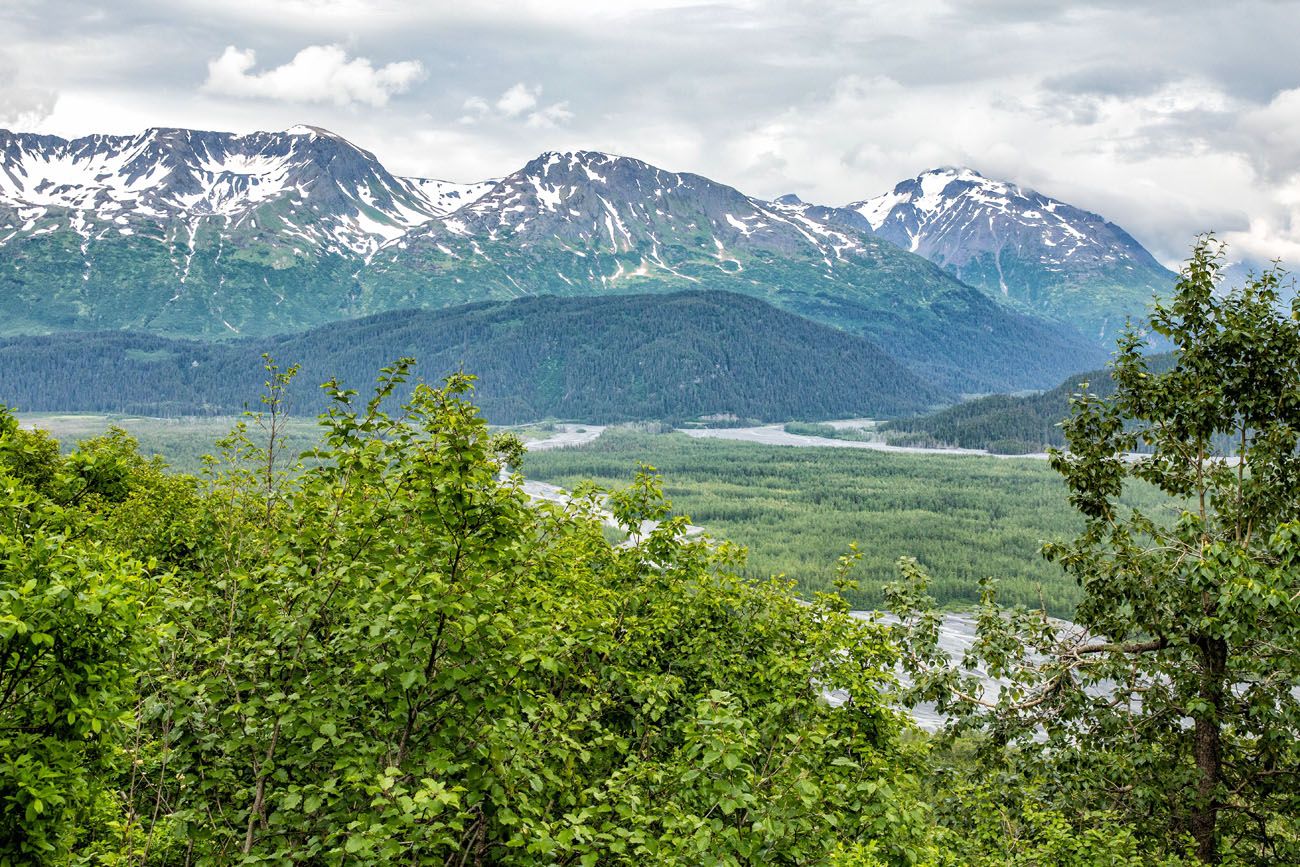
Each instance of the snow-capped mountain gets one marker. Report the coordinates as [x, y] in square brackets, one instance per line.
[305, 182]
[1014, 243]
[589, 222]
[194, 233]
[597, 198]
[596, 203]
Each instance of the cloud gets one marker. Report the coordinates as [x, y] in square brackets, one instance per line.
[1167, 122]
[1273, 135]
[552, 115]
[518, 99]
[23, 105]
[518, 102]
[1109, 80]
[317, 73]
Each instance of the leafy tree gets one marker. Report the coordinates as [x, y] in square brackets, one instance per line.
[72, 618]
[1175, 705]
[392, 655]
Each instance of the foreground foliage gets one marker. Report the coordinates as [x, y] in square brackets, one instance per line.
[393, 656]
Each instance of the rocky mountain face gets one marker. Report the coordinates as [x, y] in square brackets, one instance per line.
[190, 233]
[1039, 253]
[305, 182]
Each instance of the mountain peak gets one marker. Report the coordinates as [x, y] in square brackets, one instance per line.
[312, 131]
[963, 173]
[938, 191]
[579, 165]
[629, 207]
[306, 183]
[1018, 244]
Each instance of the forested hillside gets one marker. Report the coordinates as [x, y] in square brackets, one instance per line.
[612, 358]
[1002, 423]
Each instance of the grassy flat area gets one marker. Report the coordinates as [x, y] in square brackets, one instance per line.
[797, 509]
[182, 442]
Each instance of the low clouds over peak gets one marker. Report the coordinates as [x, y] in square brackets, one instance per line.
[317, 73]
[1165, 120]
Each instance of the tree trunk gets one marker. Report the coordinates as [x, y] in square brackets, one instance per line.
[1208, 747]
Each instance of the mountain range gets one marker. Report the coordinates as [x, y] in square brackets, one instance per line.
[208, 235]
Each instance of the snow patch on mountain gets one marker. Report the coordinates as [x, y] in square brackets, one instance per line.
[445, 197]
[961, 213]
[1020, 245]
[319, 187]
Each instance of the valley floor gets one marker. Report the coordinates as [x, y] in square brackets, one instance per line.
[795, 501]
[776, 435]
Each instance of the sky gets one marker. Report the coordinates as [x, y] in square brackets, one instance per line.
[1167, 118]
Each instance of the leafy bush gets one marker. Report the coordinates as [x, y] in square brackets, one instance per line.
[72, 620]
[391, 654]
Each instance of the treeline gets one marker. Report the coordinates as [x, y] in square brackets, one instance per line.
[1004, 424]
[619, 358]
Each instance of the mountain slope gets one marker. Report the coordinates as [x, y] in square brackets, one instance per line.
[1001, 422]
[1043, 254]
[202, 234]
[590, 359]
[587, 222]
[189, 232]
[349, 201]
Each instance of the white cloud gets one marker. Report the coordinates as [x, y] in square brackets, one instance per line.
[552, 115]
[1274, 133]
[317, 73]
[520, 101]
[23, 105]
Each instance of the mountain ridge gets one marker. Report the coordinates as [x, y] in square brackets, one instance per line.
[198, 174]
[191, 233]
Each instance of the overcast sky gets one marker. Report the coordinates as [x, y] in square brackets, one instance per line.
[1167, 118]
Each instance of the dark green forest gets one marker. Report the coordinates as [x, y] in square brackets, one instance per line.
[616, 358]
[797, 510]
[1005, 424]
